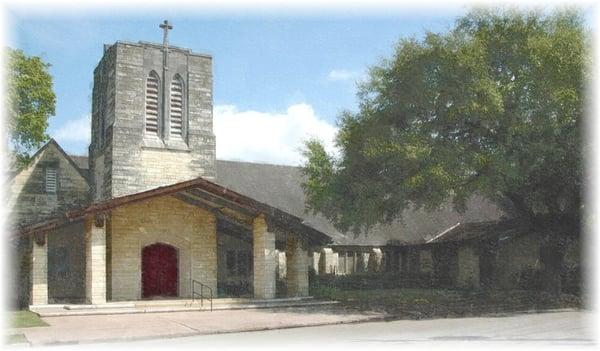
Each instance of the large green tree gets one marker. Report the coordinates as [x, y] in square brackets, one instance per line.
[493, 107]
[30, 102]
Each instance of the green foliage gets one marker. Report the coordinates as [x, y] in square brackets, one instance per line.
[403, 303]
[493, 107]
[25, 319]
[31, 101]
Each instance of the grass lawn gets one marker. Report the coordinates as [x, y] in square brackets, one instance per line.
[25, 319]
[16, 339]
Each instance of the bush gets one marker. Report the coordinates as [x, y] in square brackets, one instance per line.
[361, 281]
[530, 279]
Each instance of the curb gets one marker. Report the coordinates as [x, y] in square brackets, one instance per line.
[396, 317]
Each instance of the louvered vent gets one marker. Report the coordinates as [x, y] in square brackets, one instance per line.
[152, 104]
[176, 107]
[51, 180]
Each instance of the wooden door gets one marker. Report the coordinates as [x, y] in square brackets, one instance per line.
[159, 271]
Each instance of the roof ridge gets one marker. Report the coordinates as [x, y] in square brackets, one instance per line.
[258, 163]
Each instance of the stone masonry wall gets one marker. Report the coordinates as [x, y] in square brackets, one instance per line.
[189, 229]
[28, 201]
[39, 273]
[134, 161]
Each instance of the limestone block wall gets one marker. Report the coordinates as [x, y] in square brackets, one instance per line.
[204, 252]
[265, 259]
[188, 228]
[165, 167]
[28, 201]
[297, 267]
[95, 265]
[39, 272]
[134, 161]
[468, 267]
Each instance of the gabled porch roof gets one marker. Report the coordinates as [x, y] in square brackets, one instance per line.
[227, 205]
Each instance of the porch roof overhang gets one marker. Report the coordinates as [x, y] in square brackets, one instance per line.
[227, 206]
[479, 231]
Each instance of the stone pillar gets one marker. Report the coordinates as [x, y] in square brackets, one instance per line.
[315, 261]
[375, 260]
[95, 260]
[468, 268]
[426, 261]
[297, 272]
[362, 262]
[39, 270]
[265, 259]
[329, 261]
[282, 264]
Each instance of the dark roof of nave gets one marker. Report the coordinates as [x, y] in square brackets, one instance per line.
[280, 187]
[81, 161]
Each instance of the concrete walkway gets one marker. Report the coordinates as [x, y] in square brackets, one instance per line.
[529, 331]
[94, 328]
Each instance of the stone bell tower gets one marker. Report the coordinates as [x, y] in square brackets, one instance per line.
[151, 118]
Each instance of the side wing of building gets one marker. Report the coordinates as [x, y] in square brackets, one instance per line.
[50, 184]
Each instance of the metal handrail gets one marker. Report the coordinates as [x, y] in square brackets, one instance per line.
[201, 294]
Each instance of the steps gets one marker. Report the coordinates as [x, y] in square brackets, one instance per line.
[158, 306]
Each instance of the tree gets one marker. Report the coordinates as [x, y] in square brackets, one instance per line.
[31, 101]
[493, 107]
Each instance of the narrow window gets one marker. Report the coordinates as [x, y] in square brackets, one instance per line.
[51, 180]
[177, 106]
[152, 106]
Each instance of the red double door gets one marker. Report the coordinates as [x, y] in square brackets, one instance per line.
[159, 271]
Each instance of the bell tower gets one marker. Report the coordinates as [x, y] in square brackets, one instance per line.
[151, 118]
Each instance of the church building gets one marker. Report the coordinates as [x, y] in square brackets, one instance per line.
[151, 213]
[144, 217]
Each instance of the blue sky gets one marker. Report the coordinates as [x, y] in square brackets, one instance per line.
[297, 73]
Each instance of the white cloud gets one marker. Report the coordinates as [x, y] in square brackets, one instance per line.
[74, 131]
[269, 137]
[338, 75]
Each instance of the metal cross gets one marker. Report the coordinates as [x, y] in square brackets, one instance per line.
[165, 26]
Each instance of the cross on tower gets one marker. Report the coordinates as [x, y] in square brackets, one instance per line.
[165, 26]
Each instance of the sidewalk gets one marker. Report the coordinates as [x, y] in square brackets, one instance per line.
[122, 327]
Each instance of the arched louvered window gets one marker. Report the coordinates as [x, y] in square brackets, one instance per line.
[152, 103]
[177, 106]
